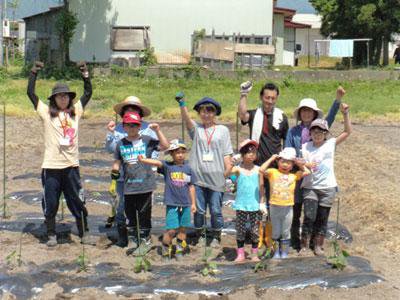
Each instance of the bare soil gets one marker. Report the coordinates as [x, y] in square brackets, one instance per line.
[367, 167]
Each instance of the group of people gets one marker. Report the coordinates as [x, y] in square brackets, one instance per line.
[281, 171]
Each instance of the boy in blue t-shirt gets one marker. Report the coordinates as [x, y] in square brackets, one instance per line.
[179, 196]
[139, 179]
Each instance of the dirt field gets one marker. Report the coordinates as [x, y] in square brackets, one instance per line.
[366, 168]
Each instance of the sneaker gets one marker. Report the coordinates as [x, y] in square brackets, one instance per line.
[166, 252]
[89, 240]
[215, 243]
[201, 240]
[52, 242]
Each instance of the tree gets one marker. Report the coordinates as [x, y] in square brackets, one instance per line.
[65, 26]
[375, 19]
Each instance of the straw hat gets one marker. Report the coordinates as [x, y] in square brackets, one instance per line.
[132, 100]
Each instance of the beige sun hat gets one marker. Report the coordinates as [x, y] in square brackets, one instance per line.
[289, 153]
[132, 100]
[310, 103]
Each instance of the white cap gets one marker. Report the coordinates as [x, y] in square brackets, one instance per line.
[289, 153]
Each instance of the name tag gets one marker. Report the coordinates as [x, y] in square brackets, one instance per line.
[186, 178]
[208, 156]
[65, 141]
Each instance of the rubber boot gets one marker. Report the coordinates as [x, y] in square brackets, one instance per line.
[240, 257]
[284, 248]
[304, 245]
[122, 236]
[277, 254]
[319, 244]
[51, 232]
[254, 254]
[200, 238]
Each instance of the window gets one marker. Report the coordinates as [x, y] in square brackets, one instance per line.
[130, 38]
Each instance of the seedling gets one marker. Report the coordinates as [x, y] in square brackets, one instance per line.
[209, 267]
[141, 262]
[14, 259]
[338, 259]
[262, 264]
[82, 259]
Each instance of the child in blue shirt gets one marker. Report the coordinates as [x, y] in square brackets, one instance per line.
[179, 197]
[249, 200]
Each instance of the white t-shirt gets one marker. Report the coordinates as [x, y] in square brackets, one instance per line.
[323, 175]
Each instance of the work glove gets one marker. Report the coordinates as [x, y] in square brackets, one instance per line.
[246, 87]
[37, 66]
[263, 209]
[113, 187]
[180, 98]
[83, 69]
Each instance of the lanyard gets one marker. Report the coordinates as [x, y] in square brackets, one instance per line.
[209, 137]
[64, 123]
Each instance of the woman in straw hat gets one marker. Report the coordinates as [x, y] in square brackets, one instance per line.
[115, 134]
[60, 168]
[305, 113]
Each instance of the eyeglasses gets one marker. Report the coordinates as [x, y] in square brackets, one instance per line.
[207, 109]
[318, 131]
[131, 125]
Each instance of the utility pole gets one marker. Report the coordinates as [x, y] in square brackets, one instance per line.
[1, 31]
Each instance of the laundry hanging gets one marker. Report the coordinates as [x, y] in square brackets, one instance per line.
[341, 48]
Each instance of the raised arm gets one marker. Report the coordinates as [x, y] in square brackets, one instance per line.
[245, 89]
[330, 118]
[344, 108]
[32, 83]
[164, 144]
[301, 164]
[180, 98]
[87, 84]
[265, 165]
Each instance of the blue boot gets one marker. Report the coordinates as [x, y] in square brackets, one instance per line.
[276, 245]
[284, 248]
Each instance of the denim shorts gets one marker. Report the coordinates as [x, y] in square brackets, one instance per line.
[177, 216]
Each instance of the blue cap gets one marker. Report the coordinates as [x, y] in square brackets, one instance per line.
[207, 100]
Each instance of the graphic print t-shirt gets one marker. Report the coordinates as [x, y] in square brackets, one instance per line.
[177, 180]
[138, 178]
[282, 186]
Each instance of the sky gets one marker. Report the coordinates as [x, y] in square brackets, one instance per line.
[302, 6]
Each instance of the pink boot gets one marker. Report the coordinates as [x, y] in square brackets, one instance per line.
[240, 255]
[254, 255]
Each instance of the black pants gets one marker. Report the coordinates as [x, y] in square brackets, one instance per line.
[140, 203]
[315, 218]
[297, 209]
[68, 182]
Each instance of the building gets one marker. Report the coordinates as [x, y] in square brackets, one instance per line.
[118, 28]
[41, 39]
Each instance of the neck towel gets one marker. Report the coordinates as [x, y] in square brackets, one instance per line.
[277, 117]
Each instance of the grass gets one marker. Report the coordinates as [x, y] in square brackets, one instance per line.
[368, 99]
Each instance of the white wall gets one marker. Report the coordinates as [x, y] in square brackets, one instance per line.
[171, 22]
[302, 38]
